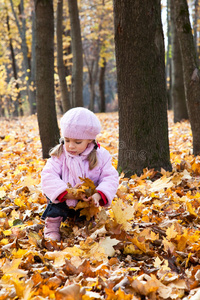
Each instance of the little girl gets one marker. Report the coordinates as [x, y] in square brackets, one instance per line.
[78, 155]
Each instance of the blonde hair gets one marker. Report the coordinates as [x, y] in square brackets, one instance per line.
[92, 156]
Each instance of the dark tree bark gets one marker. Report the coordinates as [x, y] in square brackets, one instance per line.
[2, 107]
[60, 63]
[17, 102]
[178, 92]
[91, 57]
[33, 66]
[191, 72]
[102, 87]
[143, 128]
[46, 112]
[76, 93]
[168, 62]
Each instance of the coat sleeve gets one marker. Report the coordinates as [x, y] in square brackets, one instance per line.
[51, 182]
[109, 178]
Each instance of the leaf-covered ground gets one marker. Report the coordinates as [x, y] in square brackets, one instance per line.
[146, 246]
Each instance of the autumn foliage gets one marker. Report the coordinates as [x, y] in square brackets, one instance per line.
[145, 246]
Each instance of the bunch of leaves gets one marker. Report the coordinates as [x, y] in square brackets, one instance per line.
[87, 187]
[145, 246]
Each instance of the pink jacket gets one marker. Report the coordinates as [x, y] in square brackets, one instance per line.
[59, 171]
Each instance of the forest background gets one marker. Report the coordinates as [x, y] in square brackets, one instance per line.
[97, 29]
[146, 246]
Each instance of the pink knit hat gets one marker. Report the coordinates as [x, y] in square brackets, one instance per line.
[80, 123]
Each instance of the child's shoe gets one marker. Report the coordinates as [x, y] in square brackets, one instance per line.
[52, 228]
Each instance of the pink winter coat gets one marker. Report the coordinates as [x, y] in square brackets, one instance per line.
[59, 171]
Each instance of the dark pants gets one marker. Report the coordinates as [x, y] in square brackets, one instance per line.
[61, 210]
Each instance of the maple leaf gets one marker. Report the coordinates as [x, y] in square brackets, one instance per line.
[107, 244]
[171, 232]
[87, 187]
[11, 268]
[123, 213]
[162, 183]
[87, 209]
[71, 292]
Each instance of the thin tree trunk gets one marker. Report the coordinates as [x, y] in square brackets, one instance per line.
[76, 94]
[33, 66]
[60, 63]
[102, 87]
[93, 70]
[2, 107]
[16, 102]
[196, 4]
[168, 62]
[178, 92]
[143, 128]
[191, 72]
[93, 73]
[46, 111]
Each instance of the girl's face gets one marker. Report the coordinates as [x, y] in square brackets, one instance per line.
[76, 146]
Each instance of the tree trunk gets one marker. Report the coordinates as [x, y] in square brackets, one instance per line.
[102, 87]
[93, 69]
[14, 67]
[196, 4]
[92, 93]
[178, 92]
[2, 107]
[60, 63]
[191, 72]
[33, 66]
[46, 112]
[168, 62]
[143, 128]
[76, 94]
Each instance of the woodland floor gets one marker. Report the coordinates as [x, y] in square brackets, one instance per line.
[146, 246]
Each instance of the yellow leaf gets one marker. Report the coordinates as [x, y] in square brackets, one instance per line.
[19, 202]
[19, 287]
[171, 232]
[19, 253]
[60, 256]
[190, 209]
[2, 194]
[89, 212]
[161, 184]
[168, 246]
[7, 232]
[91, 296]
[87, 187]
[123, 213]
[157, 262]
[188, 259]
[11, 268]
[2, 214]
[70, 292]
[141, 246]
[131, 249]
[122, 296]
[107, 244]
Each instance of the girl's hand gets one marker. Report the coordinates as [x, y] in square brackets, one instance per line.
[77, 186]
[95, 199]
